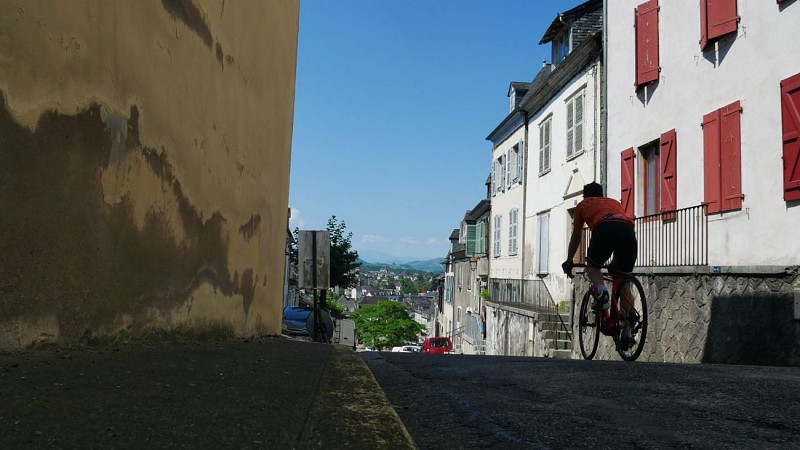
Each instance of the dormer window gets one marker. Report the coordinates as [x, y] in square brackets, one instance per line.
[512, 100]
[562, 46]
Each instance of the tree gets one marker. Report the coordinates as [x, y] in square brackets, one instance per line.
[344, 260]
[385, 324]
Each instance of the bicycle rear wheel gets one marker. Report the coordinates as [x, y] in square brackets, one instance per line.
[634, 309]
[588, 327]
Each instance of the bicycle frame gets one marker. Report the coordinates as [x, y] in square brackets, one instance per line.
[625, 321]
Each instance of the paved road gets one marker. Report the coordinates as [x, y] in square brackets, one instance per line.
[460, 401]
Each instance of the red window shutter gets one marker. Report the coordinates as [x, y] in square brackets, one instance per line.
[711, 145]
[790, 113]
[646, 25]
[717, 18]
[669, 179]
[731, 157]
[703, 24]
[626, 180]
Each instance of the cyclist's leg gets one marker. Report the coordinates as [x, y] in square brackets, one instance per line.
[600, 249]
[625, 250]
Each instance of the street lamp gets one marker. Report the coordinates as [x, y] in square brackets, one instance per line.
[473, 263]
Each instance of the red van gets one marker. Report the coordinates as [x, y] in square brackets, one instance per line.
[439, 344]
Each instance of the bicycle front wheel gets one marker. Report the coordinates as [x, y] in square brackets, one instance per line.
[588, 327]
[633, 311]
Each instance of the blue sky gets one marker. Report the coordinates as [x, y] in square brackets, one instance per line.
[394, 101]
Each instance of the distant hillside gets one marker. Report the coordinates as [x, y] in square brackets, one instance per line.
[430, 265]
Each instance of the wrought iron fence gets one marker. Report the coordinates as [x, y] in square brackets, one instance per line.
[670, 239]
[532, 294]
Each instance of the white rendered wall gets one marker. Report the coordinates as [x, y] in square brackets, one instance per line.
[558, 190]
[506, 266]
[764, 51]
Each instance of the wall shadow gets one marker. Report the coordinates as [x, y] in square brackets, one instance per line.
[753, 330]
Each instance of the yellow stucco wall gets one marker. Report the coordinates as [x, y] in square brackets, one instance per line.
[144, 164]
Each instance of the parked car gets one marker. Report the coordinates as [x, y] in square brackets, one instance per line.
[439, 344]
[407, 349]
[298, 319]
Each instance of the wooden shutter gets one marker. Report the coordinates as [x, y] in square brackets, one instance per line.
[669, 179]
[711, 146]
[494, 178]
[646, 28]
[626, 181]
[570, 128]
[471, 240]
[731, 157]
[578, 124]
[543, 244]
[480, 238]
[790, 114]
[717, 18]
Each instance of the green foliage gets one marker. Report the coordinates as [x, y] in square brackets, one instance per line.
[333, 304]
[485, 294]
[385, 324]
[344, 260]
[410, 286]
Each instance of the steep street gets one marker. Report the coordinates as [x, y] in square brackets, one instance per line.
[461, 401]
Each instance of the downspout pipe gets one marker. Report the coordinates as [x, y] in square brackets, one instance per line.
[524, 201]
[604, 104]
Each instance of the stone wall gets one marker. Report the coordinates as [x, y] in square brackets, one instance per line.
[144, 159]
[513, 330]
[738, 316]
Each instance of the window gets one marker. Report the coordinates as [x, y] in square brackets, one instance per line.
[574, 125]
[651, 172]
[499, 175]
[544, 146]
[512, 231]
[626, 181]
[561, 46]
[498, 220]
[543, 244]
[717, 18]
[514, 165]
[646, 29]
[476, 239]
[790, 113]
[722, 159]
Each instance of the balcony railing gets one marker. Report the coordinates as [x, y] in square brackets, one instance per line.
[671, 239]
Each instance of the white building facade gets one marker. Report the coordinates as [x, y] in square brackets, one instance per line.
[703, 111]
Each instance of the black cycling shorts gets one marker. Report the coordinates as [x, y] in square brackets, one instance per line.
[613, 237]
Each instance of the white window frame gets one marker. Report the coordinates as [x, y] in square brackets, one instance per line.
[513, 227]
[545, 141]
[576, 112]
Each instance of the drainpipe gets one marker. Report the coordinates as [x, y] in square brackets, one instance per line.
[524, 201]
[604, 104]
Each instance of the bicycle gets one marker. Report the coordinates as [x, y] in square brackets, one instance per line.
[625, 288]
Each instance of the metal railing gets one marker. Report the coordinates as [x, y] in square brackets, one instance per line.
[670, 239]
[535, 296]
[673, 238]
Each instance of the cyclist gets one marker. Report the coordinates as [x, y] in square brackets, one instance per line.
[612, 232]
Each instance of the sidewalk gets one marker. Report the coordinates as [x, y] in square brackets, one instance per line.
[271, 393]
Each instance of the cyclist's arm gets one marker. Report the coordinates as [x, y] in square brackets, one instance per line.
[574, 242]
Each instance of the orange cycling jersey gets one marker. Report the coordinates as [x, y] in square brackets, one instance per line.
[594, 210]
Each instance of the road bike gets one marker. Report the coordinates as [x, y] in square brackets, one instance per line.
[628, 313]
